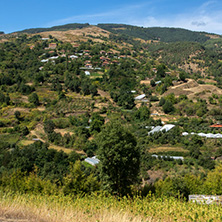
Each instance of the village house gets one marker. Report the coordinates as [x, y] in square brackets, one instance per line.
[102, 58]
[88, 65]
[105, 63]
[73, 57]
[52, 45]
[154, 70]
[102, 52]
[122, 57]
[76, 45]
[32, 47]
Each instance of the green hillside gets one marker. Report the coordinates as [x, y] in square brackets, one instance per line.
[152, 33]
[150, 111]
[156, 33]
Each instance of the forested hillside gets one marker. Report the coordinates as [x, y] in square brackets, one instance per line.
[156, 33]
[150, 111]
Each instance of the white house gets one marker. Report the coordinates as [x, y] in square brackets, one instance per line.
[140, 97]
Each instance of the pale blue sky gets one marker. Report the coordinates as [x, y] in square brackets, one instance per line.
[198, 15]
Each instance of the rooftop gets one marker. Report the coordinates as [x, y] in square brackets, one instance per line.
[92, 160]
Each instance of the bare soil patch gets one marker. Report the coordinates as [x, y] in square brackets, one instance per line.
[38, 132]
[78, 34]
[20, 109]
[194, 90]
[63, 131]
[146, 82]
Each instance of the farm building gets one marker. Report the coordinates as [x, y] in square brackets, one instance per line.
[93, 161]
[140, 97]
[172, 157]
[164, 128]
[207, 135]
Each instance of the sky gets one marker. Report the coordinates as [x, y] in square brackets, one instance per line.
[196, 15]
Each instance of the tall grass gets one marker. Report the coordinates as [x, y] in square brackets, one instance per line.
[100, 208]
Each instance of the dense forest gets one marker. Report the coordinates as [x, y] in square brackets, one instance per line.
[156, 33]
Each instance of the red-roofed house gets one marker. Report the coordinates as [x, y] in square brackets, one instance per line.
[52, 45]
[217, 125]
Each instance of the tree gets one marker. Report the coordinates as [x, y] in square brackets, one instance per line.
[97, 122]
[168, 107]
[17, 115]
[126, 100]
[4, 99]
[119, 158]
[49, 126]
[182, 76]
[33, 98]
[162, 101]
[76, 182]
[213, 181]
[143, 113]
[152, 83]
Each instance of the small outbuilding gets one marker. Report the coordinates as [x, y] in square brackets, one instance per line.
[92, 160]
[140, 97]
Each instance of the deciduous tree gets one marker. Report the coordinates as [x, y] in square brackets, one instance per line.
[119, 158]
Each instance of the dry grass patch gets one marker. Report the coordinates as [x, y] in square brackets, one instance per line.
[78, 34]
[146, 82]
[97, 208]
[166, 149]
[26, 142]
[63, 131]
[60, 148]
[193, 90]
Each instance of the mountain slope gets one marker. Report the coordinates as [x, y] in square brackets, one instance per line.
[156, 33]
[55, 28]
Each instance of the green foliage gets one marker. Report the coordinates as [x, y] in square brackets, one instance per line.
[4, 99]
[119, 159]
[179, 186]
[76, 182]
[156, 33]
[49, 126]
[168, 107]
[33, 98]
[142, 114]
[152, 83]
[212, 185]
[51, 164]
[96, 123]
[182, 76]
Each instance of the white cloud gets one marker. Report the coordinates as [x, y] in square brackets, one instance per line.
[207, 17]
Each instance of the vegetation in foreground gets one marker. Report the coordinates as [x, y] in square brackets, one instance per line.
[103, 208]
